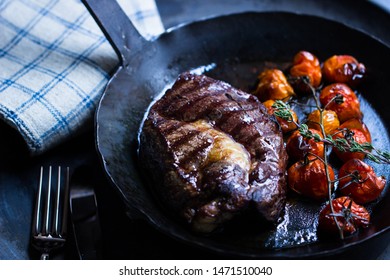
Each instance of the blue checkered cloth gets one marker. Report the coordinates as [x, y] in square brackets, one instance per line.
[55, 63]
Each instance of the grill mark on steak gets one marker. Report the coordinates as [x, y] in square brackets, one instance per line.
[191, 138]
[182, 139]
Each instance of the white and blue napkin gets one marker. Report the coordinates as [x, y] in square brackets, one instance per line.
[55, 63]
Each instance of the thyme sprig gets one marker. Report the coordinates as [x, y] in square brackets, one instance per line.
[348, 144]
[283, 111]
[343, 144]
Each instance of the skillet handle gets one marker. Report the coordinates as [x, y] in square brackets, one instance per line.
[116, 26]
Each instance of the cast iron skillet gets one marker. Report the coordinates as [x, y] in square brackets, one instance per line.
[233, 48]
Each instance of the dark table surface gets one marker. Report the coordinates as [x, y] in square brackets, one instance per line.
[125, 235]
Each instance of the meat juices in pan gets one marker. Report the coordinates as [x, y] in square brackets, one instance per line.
[212, 151]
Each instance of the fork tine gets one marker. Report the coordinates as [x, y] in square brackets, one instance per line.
[46, 218]
[57, 204]
[38, 202]
[65, 205]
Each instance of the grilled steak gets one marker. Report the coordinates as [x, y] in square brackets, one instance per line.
[212, 151]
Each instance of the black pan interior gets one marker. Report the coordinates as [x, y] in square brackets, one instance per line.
[234, 48]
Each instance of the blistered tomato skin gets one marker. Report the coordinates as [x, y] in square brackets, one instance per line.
[305, 64]
[298, 146]
[349, 216]
[343, 69]
[359, 181]
[329, 119]
[359, 125]
[347, 109]
[309, 179]
[285, 125]
[273, 85]
[358, 136]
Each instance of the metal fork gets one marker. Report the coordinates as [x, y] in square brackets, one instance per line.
[50, 216]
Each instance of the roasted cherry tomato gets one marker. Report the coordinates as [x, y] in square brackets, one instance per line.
[309, 178]
[359, 125]
[273, 85]
[285, 125]
[298, 146]
[329, 119]
[359, 181]
[343, 69]
[341, 99]
[305, 65]
[350, 135]
[349, 216]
